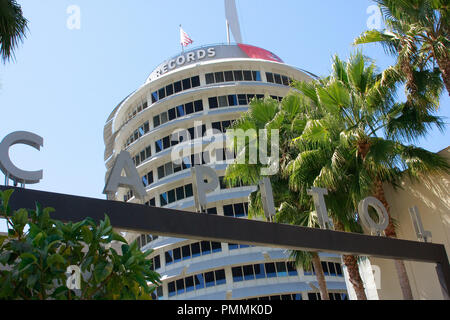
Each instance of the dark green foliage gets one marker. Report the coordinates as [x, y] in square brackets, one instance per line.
[13, 27]
[35, 255]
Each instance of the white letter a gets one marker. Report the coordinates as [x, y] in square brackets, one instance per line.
[131, 180]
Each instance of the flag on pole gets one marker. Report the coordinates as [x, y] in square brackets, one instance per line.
[184, 38]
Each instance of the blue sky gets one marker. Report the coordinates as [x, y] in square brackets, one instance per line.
[64, 83]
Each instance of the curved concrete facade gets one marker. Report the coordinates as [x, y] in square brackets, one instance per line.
[202, 89]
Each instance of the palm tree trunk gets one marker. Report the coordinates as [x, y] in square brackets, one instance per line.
[351, 262]
[317, 264]
[390, 232]
[444, 66]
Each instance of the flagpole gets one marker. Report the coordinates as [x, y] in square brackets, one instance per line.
[228, 32]
[182, 47]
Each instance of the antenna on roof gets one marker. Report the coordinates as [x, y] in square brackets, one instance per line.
[232, 21]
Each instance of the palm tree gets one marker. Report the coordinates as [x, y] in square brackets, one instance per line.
[286, 117]
[313, 157]
[353, 109]
[417, 33]
[13, 28]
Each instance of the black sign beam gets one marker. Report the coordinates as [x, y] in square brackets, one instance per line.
[186, 225]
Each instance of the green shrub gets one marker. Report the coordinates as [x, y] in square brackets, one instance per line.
[36, 254]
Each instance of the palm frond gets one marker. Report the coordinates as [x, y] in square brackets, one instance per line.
[13, 28]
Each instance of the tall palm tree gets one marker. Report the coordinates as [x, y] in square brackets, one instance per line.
[417, 33]
[286, 117]
[358, 134]
[13, 28]
[314, 154]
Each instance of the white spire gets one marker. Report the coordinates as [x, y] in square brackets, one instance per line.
[233, 20]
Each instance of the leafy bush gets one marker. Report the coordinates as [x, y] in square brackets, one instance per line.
[36, 254]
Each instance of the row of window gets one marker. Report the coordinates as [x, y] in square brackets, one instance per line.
[128, 195]
[283, 297]
[221, 126]
[135, 111]
[144, 239]
[138, 133]
[277, 78]
[193, 82]
[232, 100]
[179, 137]
[148, 179]
[188, 251]
[329, 269]
[194, 160]
[237, 210]
[192, 250]
[142, 156]
[234, 246]
[315, 296]
[193, 107]
[196, 282]
[181, 193]
[177, 112]
[176, 195]
[264, 270]
[186, 163]
[230, 76]
[175, 87]
[176, 138]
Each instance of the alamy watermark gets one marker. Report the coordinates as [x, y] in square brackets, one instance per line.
[198, 145]
[376, 270]
[375, 19]
[74, 278]
[73, 21]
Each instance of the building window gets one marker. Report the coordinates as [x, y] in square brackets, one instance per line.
[151, 203]
[178, 137]
[196, 282]
[228, 76]
[221, 126]
[145, 239]
[156, 263]
[233, 246]
[329, 269]
[315, 296]
[283, 297]
[237, 273]
[171, 289]
[148, 179]
[177, 112]
[175, 87]
[177, 194]
[260, 271]
[190, 251]
[209, 77]
[270, 270]
[136, 110]
[238, 210]
[235, 100]
[278, 79]
[138, 133]
[128, 196]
